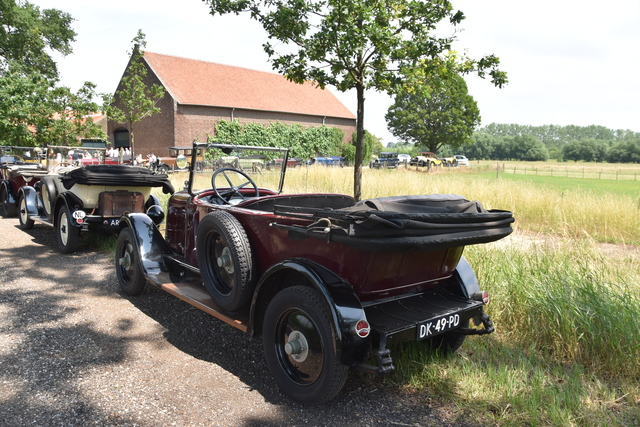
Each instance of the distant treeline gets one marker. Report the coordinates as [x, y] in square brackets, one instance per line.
[568, 143]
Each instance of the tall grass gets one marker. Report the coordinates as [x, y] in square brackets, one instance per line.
[567, 302]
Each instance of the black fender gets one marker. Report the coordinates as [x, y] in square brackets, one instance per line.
[72, 203]
[464, 281]
[151, 201]
[149, 242]
[340, 299]
[11, 198]
[31, 200]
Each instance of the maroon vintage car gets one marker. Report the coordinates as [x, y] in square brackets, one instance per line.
[19, 166]
[325, 280]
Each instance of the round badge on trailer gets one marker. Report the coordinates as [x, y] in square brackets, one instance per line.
[79, 214]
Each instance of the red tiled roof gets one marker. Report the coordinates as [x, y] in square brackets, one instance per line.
[196, 82]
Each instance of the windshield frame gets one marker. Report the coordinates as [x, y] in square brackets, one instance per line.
[228, 148]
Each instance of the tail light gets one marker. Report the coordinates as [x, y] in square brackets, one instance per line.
[481, 296]
[360, 328]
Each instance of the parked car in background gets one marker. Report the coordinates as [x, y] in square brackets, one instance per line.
[404, 158]
[292, 162]
[385, 160]
[19, 166]
[448, 161]
[461, 160]
[327, 282]
[426, 158]
[328, 161]
[74, 198]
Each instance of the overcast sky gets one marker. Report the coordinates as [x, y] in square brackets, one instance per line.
[568, 61]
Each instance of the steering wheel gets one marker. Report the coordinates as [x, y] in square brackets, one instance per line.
[234, 190]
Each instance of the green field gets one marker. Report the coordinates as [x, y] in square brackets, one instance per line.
[566, 349]
[596, 186]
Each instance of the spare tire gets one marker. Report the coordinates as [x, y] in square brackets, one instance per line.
[49, 194]
[225, 260]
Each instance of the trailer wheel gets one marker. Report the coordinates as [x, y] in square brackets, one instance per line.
[68, 236]
[26, 223]
[225, 260]
[299, 346]
[128, 269]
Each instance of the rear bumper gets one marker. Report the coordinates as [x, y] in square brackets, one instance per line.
[408, 319]
[420, 317]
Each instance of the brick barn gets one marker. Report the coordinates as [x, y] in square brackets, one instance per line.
[199, 94]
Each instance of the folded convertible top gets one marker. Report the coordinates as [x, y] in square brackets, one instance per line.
[116, 175]
[430, 222]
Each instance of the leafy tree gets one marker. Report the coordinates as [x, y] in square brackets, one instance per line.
[134, 98]
[588, 150]
[358, 44]
[483, 147]
[35, 112]
[556, 137]
[23, 106]
[29, 97]
[27, 34]
[71, 118]
[441, 114]
[627, 151]
[529, 148]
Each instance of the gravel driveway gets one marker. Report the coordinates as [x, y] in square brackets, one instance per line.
[75, 352]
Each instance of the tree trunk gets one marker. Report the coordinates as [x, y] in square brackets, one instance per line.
[357, 170]
[131, 141]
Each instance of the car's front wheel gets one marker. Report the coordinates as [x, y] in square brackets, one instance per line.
[67, 234]
[26, 223]
[299, 346]
[128, 269]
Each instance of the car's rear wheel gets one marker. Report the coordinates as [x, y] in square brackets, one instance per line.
[68, 235]
[128, 268]
[26, 223]
[299, 346]
[225, 260]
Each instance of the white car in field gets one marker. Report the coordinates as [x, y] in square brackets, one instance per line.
[404, 158]
[461, 160]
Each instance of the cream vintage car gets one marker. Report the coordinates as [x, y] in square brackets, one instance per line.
[74, 198]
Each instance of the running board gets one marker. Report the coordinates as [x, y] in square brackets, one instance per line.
[41, 220]
[198, 297]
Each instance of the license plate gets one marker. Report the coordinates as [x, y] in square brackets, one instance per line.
[437, 326]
